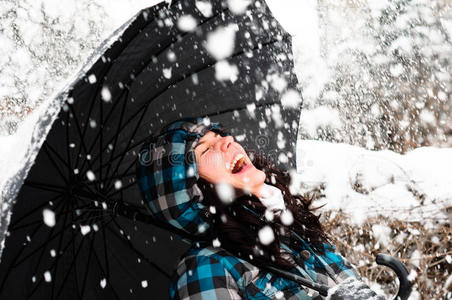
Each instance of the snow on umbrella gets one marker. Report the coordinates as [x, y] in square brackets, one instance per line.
[79, 229]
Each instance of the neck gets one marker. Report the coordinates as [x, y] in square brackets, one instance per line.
[256, 190]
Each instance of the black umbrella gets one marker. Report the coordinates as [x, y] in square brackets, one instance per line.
[79, 229]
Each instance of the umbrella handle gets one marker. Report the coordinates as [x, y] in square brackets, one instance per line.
[400, 270]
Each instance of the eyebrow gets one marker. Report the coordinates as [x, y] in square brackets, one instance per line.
[205, 141]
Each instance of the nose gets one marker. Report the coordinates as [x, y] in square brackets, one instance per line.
[226, 142]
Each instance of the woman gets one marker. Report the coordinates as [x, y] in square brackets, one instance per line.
[197, 178]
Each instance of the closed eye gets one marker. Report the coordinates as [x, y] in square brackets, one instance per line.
[208, 148]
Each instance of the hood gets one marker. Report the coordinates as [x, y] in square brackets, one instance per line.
[168, 173]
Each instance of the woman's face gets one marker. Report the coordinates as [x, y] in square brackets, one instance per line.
[221, 159]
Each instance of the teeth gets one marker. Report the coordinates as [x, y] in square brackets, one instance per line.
[236, 159]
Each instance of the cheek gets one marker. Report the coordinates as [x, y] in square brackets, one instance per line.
[211, 167]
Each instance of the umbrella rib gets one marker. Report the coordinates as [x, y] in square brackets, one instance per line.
[112, 178]
[130, 140]
[14, 263]
[15, 222]
[17, 256]
[108, 275]
[79, 131]
[68, 154]
[40, 221]
[122, 189]
[137, 251]
[58, 253]
[74, 255]
[51, 267]
[101, 153]
[85, 127]
[105, 252]
[42, 245]
[72, 264]
[87, 266]
[46, 150]
[42, 252]
[117, 131]
[44, 186]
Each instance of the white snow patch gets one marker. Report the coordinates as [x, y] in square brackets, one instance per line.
[205, 7]
[118, 184]
[187, 23]
[220, 43]
[287, 217]
[216, 243]
[238, 7]
[144, 284]
[90, 175]
[291, 99]
[85, 229]
[266, 235]
[387, 182]
[105, 94]
[103, 283]
[48, 217]
[167, 73]
[382, 234]
[225, 192]
[47, 276]
[416, 258]
[226, 71]
[321, 116]
[92, 79]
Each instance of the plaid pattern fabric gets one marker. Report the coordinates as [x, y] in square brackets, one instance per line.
[167, 174]
[214, 273]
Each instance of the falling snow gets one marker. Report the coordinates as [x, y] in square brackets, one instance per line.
[85, 229]
[238, 7]
[92, 79]
[105, 94]
[144, 284]
[225, 192]
[47, 276]
[90, 175]
[103, 283]
[226, 71]
[48, 217]
[266, 235]
[118, 184]
[220, 42]
[205, 7]
[187, 23]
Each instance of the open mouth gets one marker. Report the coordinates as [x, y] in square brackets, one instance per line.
[238, 163]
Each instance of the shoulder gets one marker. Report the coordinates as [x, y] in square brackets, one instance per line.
[197, 258]
[210, 273]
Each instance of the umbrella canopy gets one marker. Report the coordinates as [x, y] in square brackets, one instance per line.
[79, 228]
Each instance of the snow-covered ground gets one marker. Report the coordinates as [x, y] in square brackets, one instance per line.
[361, 183]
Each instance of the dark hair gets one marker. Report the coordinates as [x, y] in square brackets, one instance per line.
[236, 225]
